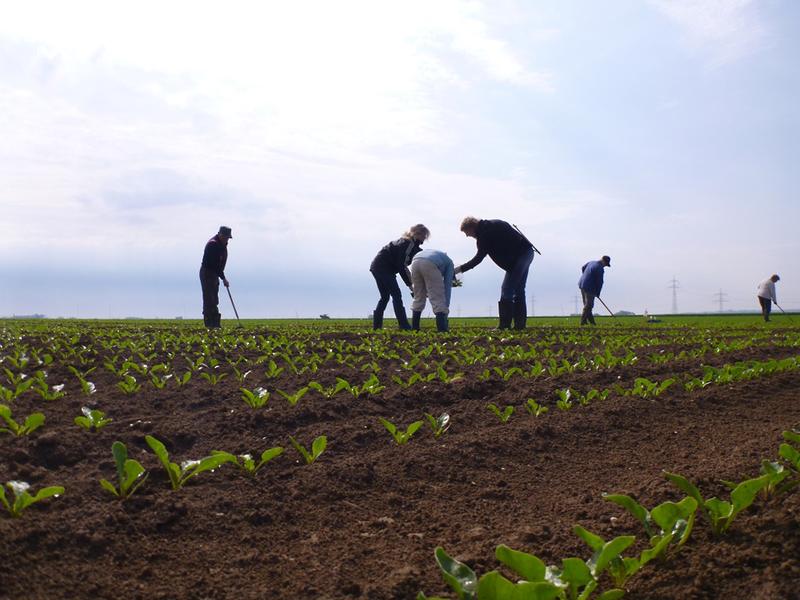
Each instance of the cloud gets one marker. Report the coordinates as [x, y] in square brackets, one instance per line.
[726, 30]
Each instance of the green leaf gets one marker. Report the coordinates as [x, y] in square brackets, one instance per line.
[633, 507]
[107, 485]
[744, 494]
[611, 595]
[668, 514]
[610, 551]
[33, 422]
[790, 454]
[493, 586]
[595, 541]
[318, 446]
[576, 573]
[528, 566]
[457, 575]
[268, 455]
[120, 453]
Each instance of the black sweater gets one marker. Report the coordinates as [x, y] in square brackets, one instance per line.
[395, 257]
[501, 242]
[215, 256]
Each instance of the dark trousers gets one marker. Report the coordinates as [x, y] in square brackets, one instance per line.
[588, 306]
[388, 288]
[209, 283]
[513, 287]
[766, 307]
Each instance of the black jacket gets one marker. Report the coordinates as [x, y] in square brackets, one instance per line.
[395, 257]
[501, 242]
[215, 256]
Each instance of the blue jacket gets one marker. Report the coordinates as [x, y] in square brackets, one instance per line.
[591, 280]
[445, 265]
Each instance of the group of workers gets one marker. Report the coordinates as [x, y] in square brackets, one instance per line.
[430, 275]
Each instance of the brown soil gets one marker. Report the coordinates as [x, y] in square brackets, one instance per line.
[363, 521]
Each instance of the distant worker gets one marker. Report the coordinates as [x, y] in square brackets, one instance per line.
[591, 283]
[432, 278]
[513, 253]
[766, 295]
[393, 259]
[212, 269]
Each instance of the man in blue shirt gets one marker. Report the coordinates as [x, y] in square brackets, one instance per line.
[432, 278]
[591, 283]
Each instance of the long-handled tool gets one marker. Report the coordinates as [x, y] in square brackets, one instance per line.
[784, 312]
[236, 312]
[604, 304]
[535, 249]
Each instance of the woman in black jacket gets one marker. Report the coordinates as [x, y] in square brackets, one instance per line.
[392, 259]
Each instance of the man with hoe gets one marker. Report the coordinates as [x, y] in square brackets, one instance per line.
[591, 283]
[512, 252]
[766, 295]
[212, 269]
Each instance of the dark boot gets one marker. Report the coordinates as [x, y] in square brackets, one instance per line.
[441, 322]
[520, 314]
[217, 321]
[377, 320]
[415, 317]
[505, 309]
[402, 319]
[587, 312]
[208, 320]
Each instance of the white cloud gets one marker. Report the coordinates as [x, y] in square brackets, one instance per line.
[726, 29]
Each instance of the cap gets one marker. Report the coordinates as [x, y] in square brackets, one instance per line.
[606, 259]
[226, 231]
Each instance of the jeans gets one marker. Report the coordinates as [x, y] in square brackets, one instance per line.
[387, 287]
[766, 307]
[513, 288]
[588, 306]
[209, 283]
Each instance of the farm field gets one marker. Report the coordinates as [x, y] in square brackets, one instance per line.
[601, 410]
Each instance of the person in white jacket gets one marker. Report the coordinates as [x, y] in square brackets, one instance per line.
[766, 295]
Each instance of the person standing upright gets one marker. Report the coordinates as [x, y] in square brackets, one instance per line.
[513, 253]
[432, 278]
[591, 284]
[766, 295]
[212, 269]
[391, 260]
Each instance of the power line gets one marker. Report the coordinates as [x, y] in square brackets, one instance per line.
[674, 285]
[721, 297]
[575, 297]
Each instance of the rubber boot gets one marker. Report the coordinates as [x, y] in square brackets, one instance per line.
[416, 315]
[217, 321]
[505, 309]
[520, 314]
[377, 320]
[208, 320]
[587, 312]
[402, 318]
[441, 322]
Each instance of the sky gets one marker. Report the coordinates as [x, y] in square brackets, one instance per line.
[664, 133]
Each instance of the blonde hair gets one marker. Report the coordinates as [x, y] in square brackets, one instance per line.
[417, 230]
[469, 223]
